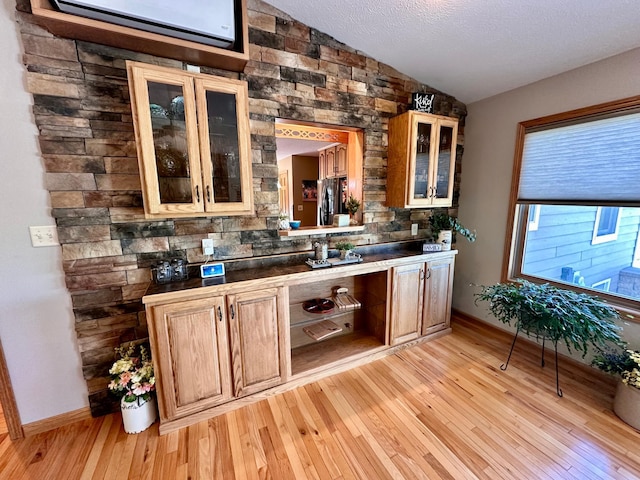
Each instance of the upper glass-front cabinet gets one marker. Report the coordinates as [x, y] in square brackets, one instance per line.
[193, 140]
[421, 162]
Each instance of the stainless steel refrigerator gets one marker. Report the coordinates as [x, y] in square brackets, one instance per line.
[332, 199]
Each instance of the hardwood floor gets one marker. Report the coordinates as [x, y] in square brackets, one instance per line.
[439, 410]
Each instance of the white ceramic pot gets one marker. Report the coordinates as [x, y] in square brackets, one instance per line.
[283, 224]
[139, 415]
[444, 238]
[626, 404]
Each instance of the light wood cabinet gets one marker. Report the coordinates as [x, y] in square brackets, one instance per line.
[191, 354]
[330, 162]
[437, 295]
[217, 347]
[333, 161]
[406, 298]
[421, 299]
[341, 163]
[259, 340]
[210, 351]
[421, 160]
[193, 141]
[322, 164]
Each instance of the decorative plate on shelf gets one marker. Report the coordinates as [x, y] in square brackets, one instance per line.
[319, 305]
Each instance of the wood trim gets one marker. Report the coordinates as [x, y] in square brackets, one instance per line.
[56, 421]
[313, 133]
[75, 26]
[529, 344]
[8, 400]
[507, 259]
[628, 103]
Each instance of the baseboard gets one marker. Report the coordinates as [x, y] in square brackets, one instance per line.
[57, 421]
[531, 344]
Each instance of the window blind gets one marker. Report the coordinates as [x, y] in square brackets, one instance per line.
[594, 163]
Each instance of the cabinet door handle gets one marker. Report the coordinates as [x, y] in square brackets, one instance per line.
[219, 313]
[421, 274]
[198, 193]
[428, 273]
[208, 194]
[233, 313]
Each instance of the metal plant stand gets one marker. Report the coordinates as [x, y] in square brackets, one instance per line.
[504, 366]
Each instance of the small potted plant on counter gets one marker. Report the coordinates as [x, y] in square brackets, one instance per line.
[133, 380]
[345, 249]
[625, 364]
[352, 206]
[443, 226]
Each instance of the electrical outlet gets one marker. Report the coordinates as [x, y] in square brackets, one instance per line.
[207, 246]
[300, 208]
[44, 236]
[414, 229]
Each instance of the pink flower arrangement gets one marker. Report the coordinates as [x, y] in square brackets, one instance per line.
[132, 376]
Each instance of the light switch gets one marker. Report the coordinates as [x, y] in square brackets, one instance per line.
[414, 229]
[300, 208]
[45, 236]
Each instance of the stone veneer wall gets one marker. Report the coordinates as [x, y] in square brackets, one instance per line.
[82, 110]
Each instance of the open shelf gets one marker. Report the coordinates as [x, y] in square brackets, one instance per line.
[97, 31]
[331, 351]
[363, 329]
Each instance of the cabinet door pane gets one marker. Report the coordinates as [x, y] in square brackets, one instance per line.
[166, 107]
[223, 143]
[444, 162]
[422, 147]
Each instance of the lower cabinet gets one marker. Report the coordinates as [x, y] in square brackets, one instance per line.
[437, 295]
[421, 299]
[259, 340]
[407, 297]
[210, 351]
[191, 354]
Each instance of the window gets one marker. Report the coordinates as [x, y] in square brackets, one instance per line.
[584, 168]
[534, 217]
[603, 285]
[606, 225]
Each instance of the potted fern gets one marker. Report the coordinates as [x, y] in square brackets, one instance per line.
[443, 226]
[546, 312]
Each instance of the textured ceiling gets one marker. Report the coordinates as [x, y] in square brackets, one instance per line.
[474, 49]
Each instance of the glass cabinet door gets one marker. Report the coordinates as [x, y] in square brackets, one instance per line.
[423, 143]
[193, 141]
[445, 158]
[222, 124]
[168, 134]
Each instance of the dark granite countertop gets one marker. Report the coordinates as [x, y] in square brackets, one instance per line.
[283, 265]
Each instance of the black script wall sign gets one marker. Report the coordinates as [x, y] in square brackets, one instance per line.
[422, 102]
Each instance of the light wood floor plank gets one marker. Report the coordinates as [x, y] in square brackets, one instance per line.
[438, 410]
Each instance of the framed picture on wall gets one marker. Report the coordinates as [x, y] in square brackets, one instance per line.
[309, 190]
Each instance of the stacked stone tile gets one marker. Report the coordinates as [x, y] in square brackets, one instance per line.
[82, 111]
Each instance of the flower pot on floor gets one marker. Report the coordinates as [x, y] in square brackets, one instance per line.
[626, 404]
[138, 415]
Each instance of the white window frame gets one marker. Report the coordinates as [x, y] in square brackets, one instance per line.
[606, 283]
[534, 219]
[609, 237]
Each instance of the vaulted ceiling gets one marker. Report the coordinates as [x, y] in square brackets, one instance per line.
[474, 49]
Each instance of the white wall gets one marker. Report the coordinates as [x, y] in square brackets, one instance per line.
[490, 135]
[36, 320]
